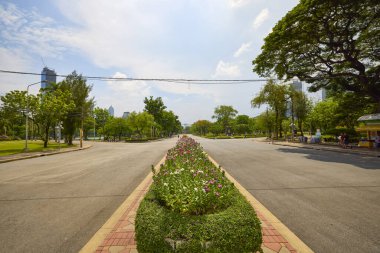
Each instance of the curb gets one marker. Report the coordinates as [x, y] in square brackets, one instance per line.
[299, 245]
[347, 151]
[43, 154]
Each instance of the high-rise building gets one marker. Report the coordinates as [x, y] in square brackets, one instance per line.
[323, 95]
[111, 111]
[125, 115]
[297, 85]
[48, 76]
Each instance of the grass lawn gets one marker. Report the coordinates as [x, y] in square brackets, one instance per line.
[15, 147]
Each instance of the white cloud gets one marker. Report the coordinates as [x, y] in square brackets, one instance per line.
[16, 59]
[30, 30]
[238, 3]
[243, 48]
[225, 69]
[129, 88]
[260, 19]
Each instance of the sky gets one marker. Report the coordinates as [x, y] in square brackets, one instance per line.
[192, 39]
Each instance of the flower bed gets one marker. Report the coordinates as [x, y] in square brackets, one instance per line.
[193, 207]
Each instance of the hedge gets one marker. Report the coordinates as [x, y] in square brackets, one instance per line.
[193, 207]
[159, 229]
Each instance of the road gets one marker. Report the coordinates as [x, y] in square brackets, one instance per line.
[56, 203]
[330, 200]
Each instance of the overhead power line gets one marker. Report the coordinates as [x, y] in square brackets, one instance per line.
[170, 80]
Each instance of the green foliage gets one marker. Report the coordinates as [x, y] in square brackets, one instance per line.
[224, 115]
[331, 44]
[52, 108]
[200, 127]
[275, 96]
[166, 122]
[140, 123]
[12, 113]
[83, 105]
[116, 128]
[190, 183]
[101, 118]
[169, 220]
[235, 229]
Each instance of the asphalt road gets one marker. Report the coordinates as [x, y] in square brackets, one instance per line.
[330, 200]
[57, 203]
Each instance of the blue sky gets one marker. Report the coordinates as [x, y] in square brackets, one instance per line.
[195, 39]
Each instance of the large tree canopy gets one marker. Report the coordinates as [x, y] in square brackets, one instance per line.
[331, 44]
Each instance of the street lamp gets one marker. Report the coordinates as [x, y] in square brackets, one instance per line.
[27, 115]
[94, 126]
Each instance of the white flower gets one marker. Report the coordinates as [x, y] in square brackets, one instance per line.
[196, 189]
[165, 184]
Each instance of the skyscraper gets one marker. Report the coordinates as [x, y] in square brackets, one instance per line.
[111, 111]
[297, 85]
[125, 115]
[48, 76]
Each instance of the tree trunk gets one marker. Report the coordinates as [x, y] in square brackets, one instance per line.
[46, 139]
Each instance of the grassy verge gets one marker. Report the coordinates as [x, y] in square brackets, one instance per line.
[16, 147]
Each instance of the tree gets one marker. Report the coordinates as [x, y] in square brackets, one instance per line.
[224, 115]
[331, 44]
[323, 115]
[76, 85]
[155, 107]
[116, 127]
[275, 96]
[241, 125]
[201, 127]
[300, 106]
[140, 123]
[14, 104]
[265, 122]
[350, 107]
[170, 123]
[52, 108]
[101, 118]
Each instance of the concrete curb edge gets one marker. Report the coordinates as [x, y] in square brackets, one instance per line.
[43, 154]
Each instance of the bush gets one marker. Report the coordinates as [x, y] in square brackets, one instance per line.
[189, 182]
[193, 207]
[159, 229]
[4, 138]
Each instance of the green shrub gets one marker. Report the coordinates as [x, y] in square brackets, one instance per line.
[193, 207]
[189, 182]
[4, 138]
[159, 229]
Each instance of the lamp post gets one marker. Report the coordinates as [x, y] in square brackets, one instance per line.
[94, 126]
[27, 115]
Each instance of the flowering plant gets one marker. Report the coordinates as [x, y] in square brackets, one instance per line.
[190, 183]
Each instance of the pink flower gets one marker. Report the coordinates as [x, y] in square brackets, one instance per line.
[219, 186]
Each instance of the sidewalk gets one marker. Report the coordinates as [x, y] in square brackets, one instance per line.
[117, 235]
[327, 147]
[22, 156]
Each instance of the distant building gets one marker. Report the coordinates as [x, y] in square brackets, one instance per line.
[297, 85]
[323, 94]
[48, 76]
[111, 111]
[125, 115]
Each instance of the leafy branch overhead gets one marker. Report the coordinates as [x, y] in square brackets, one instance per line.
[330, 44]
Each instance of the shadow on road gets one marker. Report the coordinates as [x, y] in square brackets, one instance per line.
[372, 163]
